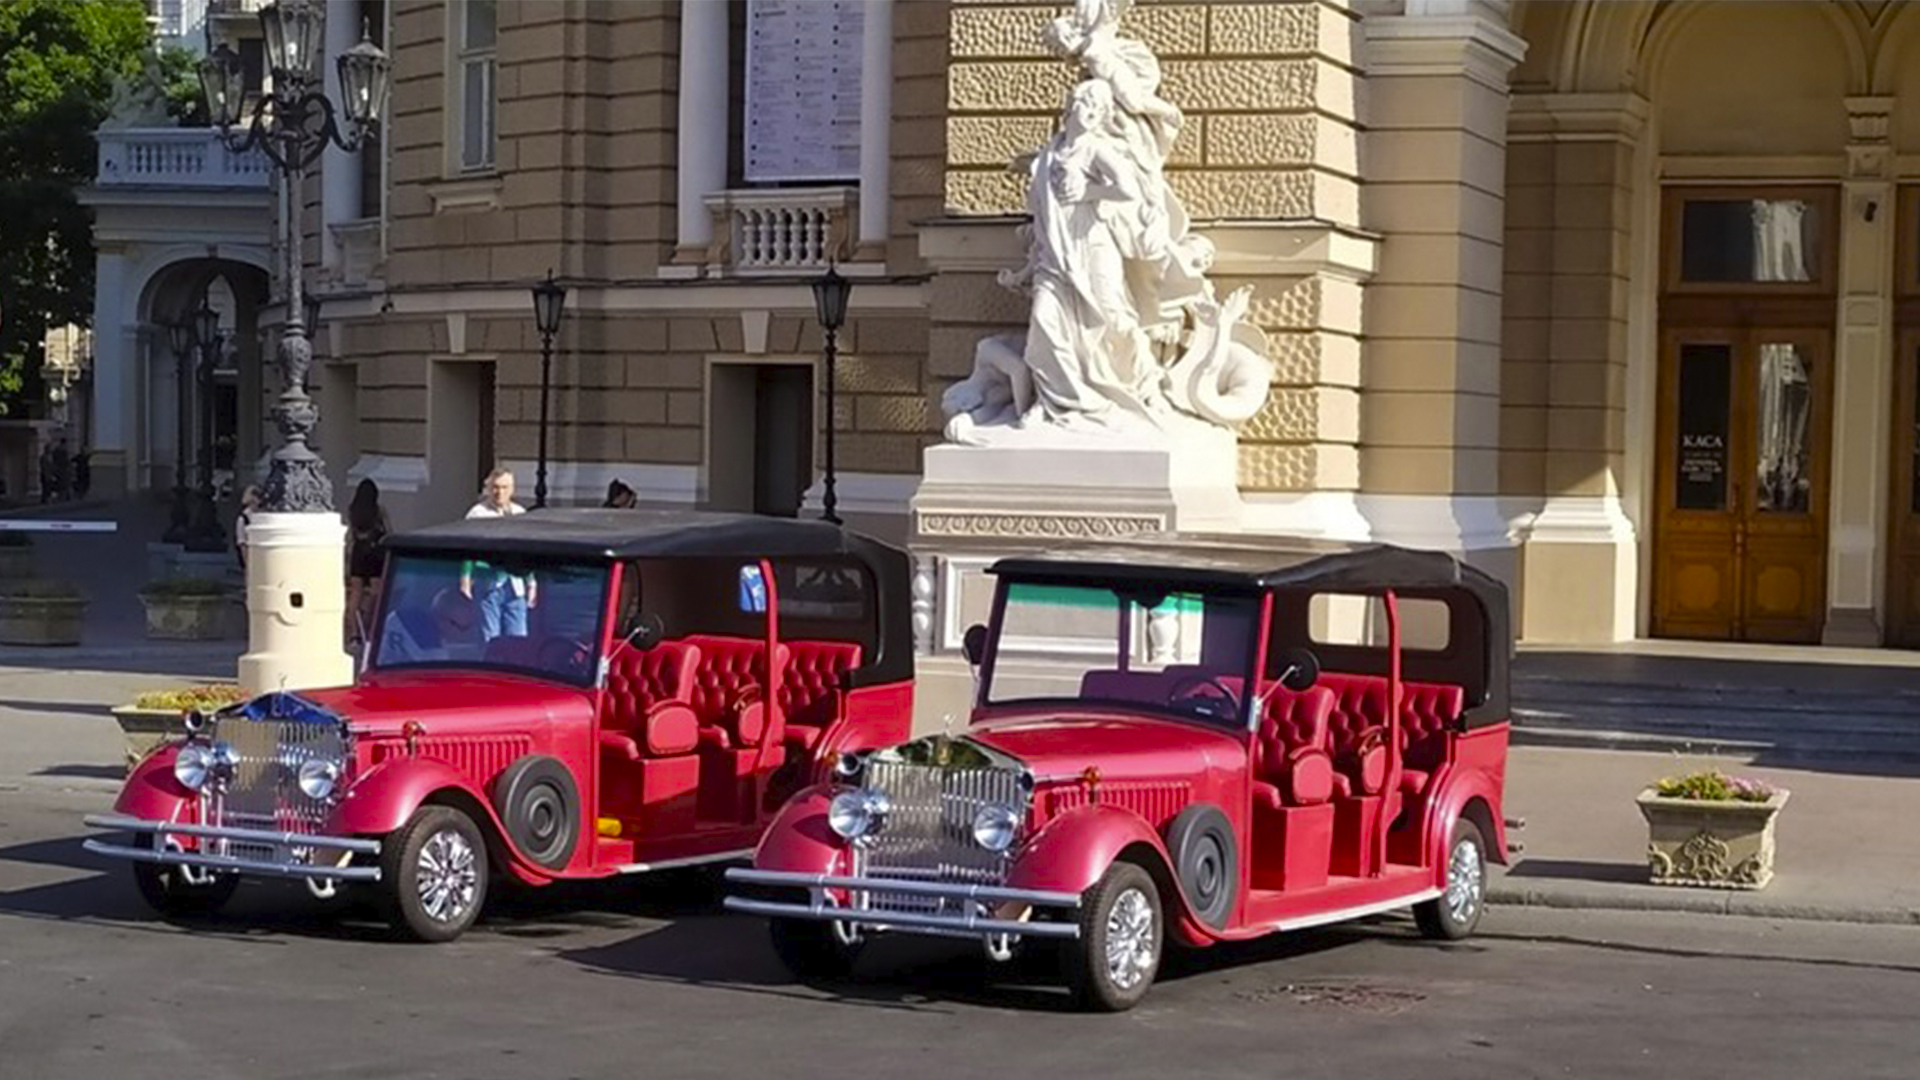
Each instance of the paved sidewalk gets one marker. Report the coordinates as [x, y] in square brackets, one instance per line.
[1845, 844]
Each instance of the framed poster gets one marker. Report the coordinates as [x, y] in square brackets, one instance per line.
[803, 90]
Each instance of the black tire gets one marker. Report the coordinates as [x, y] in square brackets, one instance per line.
[1207, 862]
[167, 891]
[1456, 911]
[1121, 894]
[813, 951]
[438, 846]
[540, 807]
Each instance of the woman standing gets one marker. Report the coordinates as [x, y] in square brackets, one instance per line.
[366, 530]
[249, 501]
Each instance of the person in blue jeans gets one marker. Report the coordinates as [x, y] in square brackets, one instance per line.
[503, 597]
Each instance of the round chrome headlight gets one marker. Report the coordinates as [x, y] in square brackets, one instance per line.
[848, 766]
[318, 777]
[192, 766]
[223, 759]
[854, 814]
[995, 826]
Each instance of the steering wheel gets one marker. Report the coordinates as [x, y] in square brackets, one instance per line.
[1221, 705]
[564, 656]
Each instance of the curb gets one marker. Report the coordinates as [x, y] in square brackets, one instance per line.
[1778, 753]
[1697, 903]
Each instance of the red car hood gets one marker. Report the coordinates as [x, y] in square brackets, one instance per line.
[472, 701]
[1121, 747]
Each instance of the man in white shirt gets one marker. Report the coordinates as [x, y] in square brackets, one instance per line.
[504, 598]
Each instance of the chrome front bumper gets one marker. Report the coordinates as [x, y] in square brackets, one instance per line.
[969, 920]
[280, 841]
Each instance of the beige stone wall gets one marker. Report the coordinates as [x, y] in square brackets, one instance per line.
[919, 136]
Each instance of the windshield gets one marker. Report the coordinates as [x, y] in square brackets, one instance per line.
[1186, 654]
[534, 618]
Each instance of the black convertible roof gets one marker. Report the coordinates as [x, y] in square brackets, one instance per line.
[638, 534]
[1253, 563]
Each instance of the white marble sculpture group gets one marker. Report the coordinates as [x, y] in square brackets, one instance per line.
[1126, 336]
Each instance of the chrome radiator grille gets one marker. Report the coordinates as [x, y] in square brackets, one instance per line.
[928, 835]
[264, 791]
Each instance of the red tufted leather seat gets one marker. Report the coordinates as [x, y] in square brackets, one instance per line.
[1426, 710]
[740, 731]
[649, 736]
[811, 689]
[1292, 766]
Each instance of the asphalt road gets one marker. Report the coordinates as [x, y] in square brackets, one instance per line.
[646, 979]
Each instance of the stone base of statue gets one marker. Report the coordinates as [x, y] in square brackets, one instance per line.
[296, 603]
[977, 504]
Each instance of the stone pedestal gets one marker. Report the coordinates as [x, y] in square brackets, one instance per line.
[977, 504]
[296, 603]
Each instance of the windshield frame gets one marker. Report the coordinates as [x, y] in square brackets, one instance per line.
[1250, 669]
[534, 564]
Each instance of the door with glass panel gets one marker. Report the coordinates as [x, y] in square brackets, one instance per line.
[1903, 553]
[1741, 541]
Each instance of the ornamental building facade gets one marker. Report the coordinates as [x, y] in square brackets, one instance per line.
[1620, 300]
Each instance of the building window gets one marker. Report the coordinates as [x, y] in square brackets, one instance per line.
[474, 41]
[800, 91]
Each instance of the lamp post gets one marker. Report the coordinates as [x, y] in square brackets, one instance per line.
[293, 125]
[549, 301]
[180, 340]
[830, 294]
[205, 533]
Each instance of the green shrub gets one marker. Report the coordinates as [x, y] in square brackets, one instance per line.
[208, 697]
[1712, 785]
[186, 586]
[39, 589]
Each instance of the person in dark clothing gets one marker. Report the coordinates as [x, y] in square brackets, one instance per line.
[82, 473]
[367, 530]
[620, 497]
[62, 462]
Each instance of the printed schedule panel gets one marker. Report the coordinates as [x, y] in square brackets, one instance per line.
[803, 90]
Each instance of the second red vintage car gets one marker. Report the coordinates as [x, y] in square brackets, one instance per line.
[1173, 743]
[562, 694]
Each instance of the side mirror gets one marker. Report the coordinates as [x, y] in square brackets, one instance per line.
[646, 631]
[1302, 669]
[974, 644]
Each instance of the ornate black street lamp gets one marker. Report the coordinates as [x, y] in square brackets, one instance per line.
[549, 301]
[180, 340]
[830, 295]
[293, 125]
[206, 534]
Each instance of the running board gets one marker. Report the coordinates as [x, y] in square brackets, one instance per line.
[1323, 918]
[676, 864]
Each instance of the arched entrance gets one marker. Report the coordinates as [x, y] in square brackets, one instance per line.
[212, 413]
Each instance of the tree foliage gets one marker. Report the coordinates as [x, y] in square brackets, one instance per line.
[59, 61]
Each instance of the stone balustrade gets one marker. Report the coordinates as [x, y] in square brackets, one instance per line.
[782, 229]
[177, 157]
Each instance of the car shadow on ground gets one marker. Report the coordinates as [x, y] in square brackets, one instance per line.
[263, 909]
[733, 954]
[1579, 870]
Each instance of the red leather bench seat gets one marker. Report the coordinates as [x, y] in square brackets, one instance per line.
[1292, 766]
[650, 736]
[1358, 726]
[811, 688]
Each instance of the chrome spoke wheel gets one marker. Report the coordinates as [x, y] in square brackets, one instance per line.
[1466, 881]
[1131, 940]
[446, 876]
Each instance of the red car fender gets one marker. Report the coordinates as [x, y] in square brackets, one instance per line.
[1458, 789]
[799, 839]
[1074, 850]
[383, 799]
[151, 793]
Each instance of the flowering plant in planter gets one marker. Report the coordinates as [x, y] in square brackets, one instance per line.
[186, 608]
[155, 714]
[1708, 828]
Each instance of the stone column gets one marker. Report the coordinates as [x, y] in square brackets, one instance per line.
[876, 127]
[702, 126]
[339, 170]
[1575, 162]
[1862, 382]
[114, 356]
[1436, 87]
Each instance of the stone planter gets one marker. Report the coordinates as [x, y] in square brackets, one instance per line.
[41, 620]
[187, 618]
[145, 729]
[1717, 844]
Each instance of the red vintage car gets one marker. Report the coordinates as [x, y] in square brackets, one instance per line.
[561, 694]
[1171, 745]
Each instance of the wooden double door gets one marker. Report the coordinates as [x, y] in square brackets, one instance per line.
[1745, 437]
